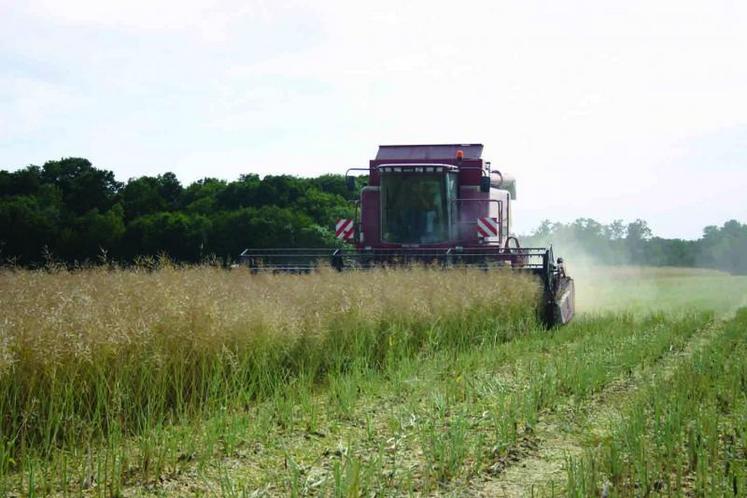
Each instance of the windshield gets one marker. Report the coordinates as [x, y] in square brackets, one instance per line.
[415, 209]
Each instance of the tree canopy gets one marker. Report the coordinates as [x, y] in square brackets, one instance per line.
[74, 212]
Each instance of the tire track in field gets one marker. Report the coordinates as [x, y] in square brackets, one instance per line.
[561, 435]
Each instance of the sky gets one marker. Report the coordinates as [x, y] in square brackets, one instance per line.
[608, 110]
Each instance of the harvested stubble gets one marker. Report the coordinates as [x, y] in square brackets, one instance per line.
[87, 353]
[685, 434]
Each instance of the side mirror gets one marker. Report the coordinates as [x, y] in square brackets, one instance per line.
[350, 181]
[485, 184]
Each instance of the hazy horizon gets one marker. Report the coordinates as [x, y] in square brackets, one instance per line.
[600, 110]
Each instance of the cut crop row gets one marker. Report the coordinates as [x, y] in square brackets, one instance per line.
[686, 434]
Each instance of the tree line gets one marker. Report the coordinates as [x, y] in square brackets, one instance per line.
[722, 248]
[74, 212]
[70, 211]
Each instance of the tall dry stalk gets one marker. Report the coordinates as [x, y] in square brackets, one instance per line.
[86, 352]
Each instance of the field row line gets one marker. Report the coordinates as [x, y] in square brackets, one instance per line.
[444, 421]
[682, 434]
[395, 421]
[569, 431]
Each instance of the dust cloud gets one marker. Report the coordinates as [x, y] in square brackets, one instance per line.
[605, 288]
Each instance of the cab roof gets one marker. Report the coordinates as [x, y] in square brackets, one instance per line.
[428, 152]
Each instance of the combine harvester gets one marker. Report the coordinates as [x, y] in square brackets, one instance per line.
[432, 204]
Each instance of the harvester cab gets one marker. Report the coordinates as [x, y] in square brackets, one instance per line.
[434, 196]
[433, 204]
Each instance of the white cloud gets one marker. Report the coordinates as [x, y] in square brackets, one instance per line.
[573, 97]
[31, 106]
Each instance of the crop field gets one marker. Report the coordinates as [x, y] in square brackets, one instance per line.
[175, 381]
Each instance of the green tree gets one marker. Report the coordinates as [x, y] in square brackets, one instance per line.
[180, 235]
[27, 228]
[725, 248]
[97, 234]
[151, 194]
[26, 181]
[239, 194]
[83, 187]
[200, 197]
[265, 227]
[637, 235]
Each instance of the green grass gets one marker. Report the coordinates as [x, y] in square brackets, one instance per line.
[642, 290]
[415, 395]
[683, 434]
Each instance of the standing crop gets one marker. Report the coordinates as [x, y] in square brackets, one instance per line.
[89, 353]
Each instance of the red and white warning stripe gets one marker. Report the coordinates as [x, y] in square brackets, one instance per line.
[345, 229]
[487, 227]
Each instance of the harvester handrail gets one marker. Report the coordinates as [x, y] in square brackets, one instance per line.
[356, 169]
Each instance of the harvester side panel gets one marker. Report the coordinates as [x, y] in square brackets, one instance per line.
[370, 197]
[472, 204]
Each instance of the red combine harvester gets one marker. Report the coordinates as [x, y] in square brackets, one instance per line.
[432, 204]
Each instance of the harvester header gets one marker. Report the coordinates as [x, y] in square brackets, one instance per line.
[432, 204]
